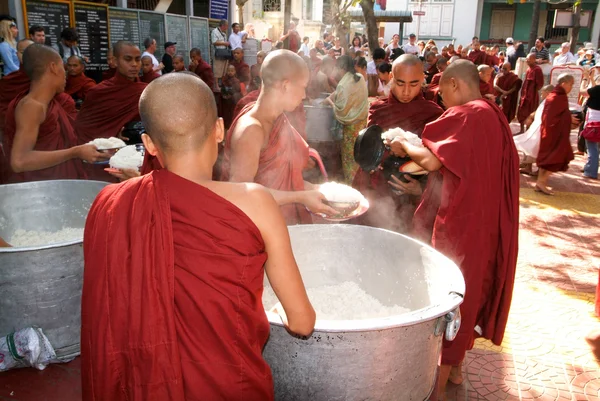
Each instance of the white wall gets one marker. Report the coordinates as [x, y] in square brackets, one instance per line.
[596, 27]
[464, 25]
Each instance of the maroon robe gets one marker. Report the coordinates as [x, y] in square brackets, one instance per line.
[11, 86]
[205, 72]
[506, 82]
[530, 97]
[486, 88]
[492, 61]
[555, 144]
[431, 73]
[477, 57]
[431, 93]
[242, 71]
[108, 107]
[149, 77]
[108, 74]
[78, 86]
[470, 213]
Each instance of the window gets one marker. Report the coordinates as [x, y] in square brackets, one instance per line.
[437, 21]
[308, 9]
[271, 6]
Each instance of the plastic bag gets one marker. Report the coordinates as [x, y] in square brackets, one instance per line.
[24, 348]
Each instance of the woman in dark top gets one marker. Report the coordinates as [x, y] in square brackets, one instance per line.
[591, 131]
[514, 57]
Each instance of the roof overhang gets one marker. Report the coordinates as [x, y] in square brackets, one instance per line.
[383, 16]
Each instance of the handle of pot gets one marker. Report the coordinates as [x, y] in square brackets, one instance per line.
[453, 320]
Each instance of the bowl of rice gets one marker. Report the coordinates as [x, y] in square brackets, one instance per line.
[130, 157]
[343, 198]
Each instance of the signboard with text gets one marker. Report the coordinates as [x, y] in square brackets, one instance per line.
[200, 36]
[177, 31]
[91, 21]
[124, 25]
[53, 16]
[219, 9]
[152, 25]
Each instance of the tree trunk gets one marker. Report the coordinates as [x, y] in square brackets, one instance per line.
[372, 31]
[534, 23]
[576, 26]
[337, 22]
[287, 17]
[241, 16]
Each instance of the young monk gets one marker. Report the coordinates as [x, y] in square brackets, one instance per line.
[201, 67]
[476, 55]
[174, 267]
[431, 92]
[39, 138]
[530, 99]
[555, 145]
[112, 66]
[78, 85]
[263, 147]
[405, 108]
[470, 207]
[148, 73]
[507, 85]
[485, 82]
[111, 104]
[241, 68]
[178, 63]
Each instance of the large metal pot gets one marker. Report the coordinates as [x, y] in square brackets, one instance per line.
[394, 358]
[41, 285]
[320, 136]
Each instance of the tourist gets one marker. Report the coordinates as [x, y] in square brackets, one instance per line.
[167, 58]
[37, 34]
[150, 46]
[8, 46]
[220, 46]
[565, 57]
[542, 56]
[411, 47]
[68, 45]
[591, 131]
[237, 38]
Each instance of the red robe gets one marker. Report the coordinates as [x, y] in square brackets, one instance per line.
[390, 113]
[11, 85]
[486, 88]
[280, 164]
[205, 72]
[242, 71]
[78, 86]
[477, 57]
[172, 297]
[555, 144]
[431, 72]
[530, 98]
[108, 107]
[55, 133]
[149, 77]
[506, 82]
[431, 93]
[108, 74]
[492, 61]
[470, 213]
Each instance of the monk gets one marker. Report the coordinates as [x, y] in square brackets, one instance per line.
[476, 55]
[470, 207]
[148, 73]
[431, 92]
[485, 82]
[431, 60]
[178, 63]
[241, 68]
[39, 138]
[111, 104]
[174, 266]
[507, 86]
[13, 84]
[201, 67]
[78, 84]
[555, 145]
[405, 108]
[530, 98]
[263, 147]
[112, 66]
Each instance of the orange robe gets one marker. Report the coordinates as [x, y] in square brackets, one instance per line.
[108, 107]
[470, 213]
[55, 133]
[530, 97]
[509, 103]
[555, 143]
[172, 296]
[78, 86]
[280, 164]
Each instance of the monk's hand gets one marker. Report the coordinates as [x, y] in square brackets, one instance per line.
[412, 187]
[90, 154]
[397, 146]
[313, 200]
[123, 174]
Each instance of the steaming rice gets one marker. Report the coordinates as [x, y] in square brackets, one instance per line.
[127, 158]
[336, 192]
[22, 238]
[107, 143]
[345, 301]
[409, 136]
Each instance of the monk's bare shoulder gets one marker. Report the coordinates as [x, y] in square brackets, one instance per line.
[30, 109]
[248, 129]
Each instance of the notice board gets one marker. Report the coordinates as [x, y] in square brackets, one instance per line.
[177, 31]
[91, 21]
[576, 72]
[153, 25]
[124, 25]
[54, 16]
[200, 36]
[219, 9]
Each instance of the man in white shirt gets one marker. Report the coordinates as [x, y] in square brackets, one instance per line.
[219, 41]
[150, 46]
[237, 38]
[510, 46]
[565, 57]
[411, 47]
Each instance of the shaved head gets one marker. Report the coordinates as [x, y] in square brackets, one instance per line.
[407, 60]
[75, 59]
[407, 78]
[120, 46]
[564, 77]
[484, 68]
[282, 65]
[460, 83]
[464, 71]
[75, 65]
[178, 63]
[21, 46]
[453, 59]
[485, 72]
[37, 59]
[507, 66]
[178, 57]
[183, 122]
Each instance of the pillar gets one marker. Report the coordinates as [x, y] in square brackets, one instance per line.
[596, 28]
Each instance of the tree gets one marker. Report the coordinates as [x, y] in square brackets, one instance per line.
[369, 15]
[240, 4]
[340, 19]
[534, 23]
[576, 26]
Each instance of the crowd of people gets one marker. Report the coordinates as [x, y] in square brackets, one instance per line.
[175, 328]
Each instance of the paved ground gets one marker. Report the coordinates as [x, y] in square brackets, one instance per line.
[544, 355]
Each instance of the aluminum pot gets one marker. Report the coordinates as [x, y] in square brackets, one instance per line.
[41, 285]
[319, 122]
[393, 358]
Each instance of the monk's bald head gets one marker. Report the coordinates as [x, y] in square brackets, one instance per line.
[128, 59]
[183, 122]
[121, 46]
[485, 72]
[460, 83]
[407, 78]
[463, 71]
[37, 59]
[567, 81]
[21, 46]
[506, 67]
[282, 65]
[75, 66]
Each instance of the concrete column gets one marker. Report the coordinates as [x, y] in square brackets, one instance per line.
[16, 10]
[317, 10]
[189, 7]
[596, 28]
[122, 3]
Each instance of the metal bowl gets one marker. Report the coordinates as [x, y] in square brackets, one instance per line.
[344, 208]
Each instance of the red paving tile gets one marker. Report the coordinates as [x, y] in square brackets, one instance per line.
[544, 355]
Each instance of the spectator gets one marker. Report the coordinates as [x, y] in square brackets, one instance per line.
[304, 49]
[548, 45]
[565, 57]
[588, 59]
[150, 46]
[320, 47]
[372, 73]
[591, 131]
[360, 66]
[385, 83]
[421, 46]
[68, 45]
[37, 34]
[514, 57]
[411, 47]
[8, 46]
[167, 58]
[541, 53]
[249, 31]
[327, 40]
[395, 44]
[219, 41]
[337, 48]
[357, 44]
[237, 38]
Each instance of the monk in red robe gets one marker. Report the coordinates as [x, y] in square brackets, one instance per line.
[242, 69]
[39, 138]
[530, 98]
[263, 147]
[201, 68]
[13, 84]
[174, 267]
[492, 58]
[485, 82]
[78, 84]
[111, 104]
[470, 207]
[432, 90]
[555, 144]
[178, 63]
[507, 87]
[407, 109]
[476, 55]
[112, 66]
[148, 73]
[431, 59]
